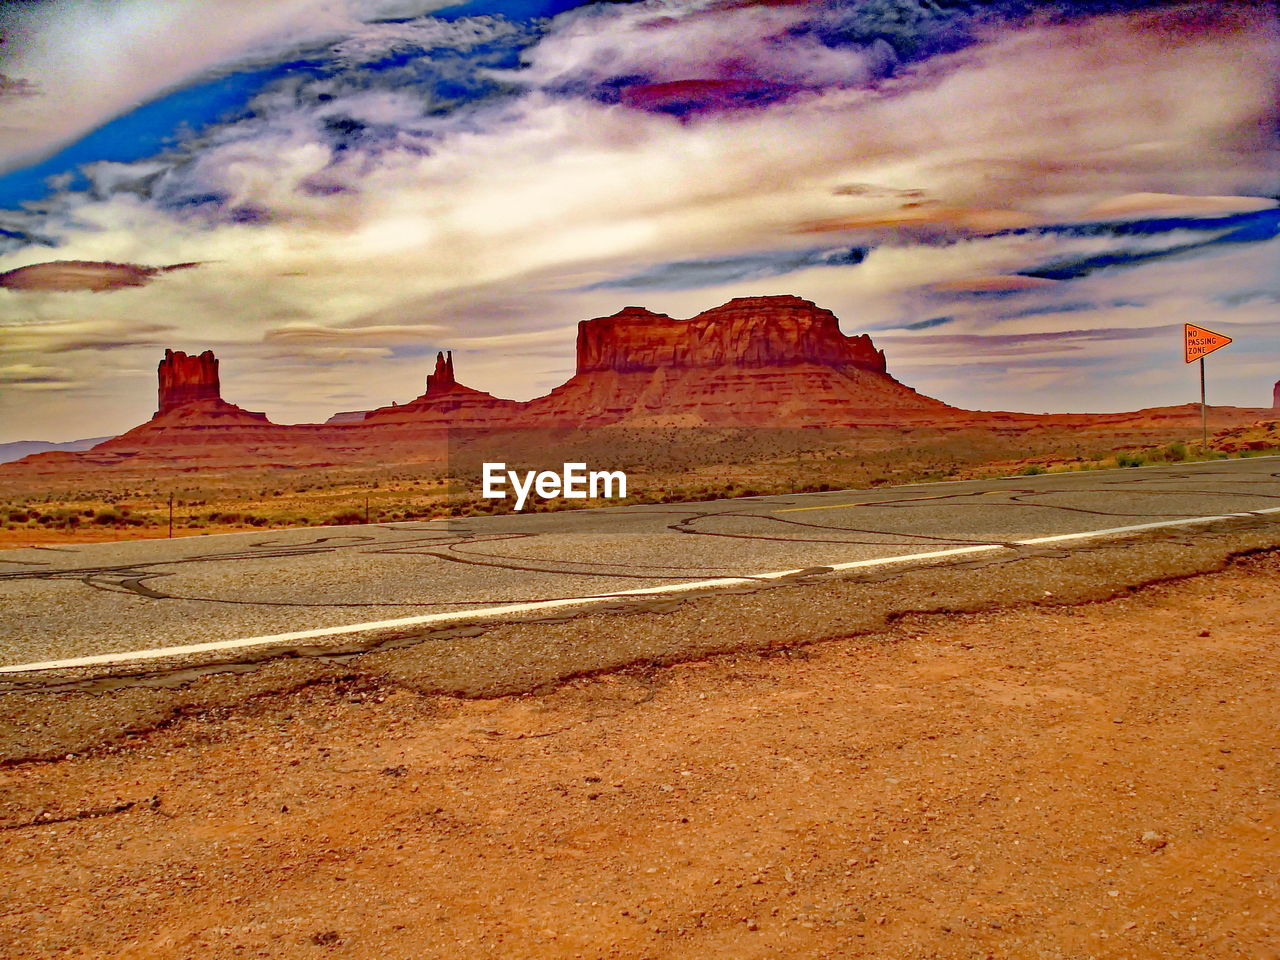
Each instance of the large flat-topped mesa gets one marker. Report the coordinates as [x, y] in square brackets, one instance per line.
[184, 379]
[755, 361]
[745, 332]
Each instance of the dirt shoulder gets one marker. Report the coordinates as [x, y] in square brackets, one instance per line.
[1092, 781]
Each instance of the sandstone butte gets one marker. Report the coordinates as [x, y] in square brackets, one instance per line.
[762, 361]
[184, 379]
[778, 361]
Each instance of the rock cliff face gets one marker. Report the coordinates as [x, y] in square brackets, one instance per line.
[193, 420]
[443, 379]
[1275, 397]
[184, 379]
[348, 416]
[745, 332]
[755, 361]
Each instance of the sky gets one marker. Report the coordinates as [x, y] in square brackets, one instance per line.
[1021, 202]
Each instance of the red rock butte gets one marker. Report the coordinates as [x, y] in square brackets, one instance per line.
[184, 379]
[766, 362]
[745, 332]
[753, 362]
[446, 402]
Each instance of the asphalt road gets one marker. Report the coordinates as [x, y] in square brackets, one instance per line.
[141, 600]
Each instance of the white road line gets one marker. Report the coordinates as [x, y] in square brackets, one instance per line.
[156, 653]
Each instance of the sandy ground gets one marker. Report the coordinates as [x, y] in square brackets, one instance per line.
[1075, 782]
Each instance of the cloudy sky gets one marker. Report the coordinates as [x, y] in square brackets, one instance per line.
[1021, 202]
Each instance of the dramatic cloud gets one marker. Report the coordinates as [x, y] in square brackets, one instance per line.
[678, 57]
[484, 183]
[63, 275]
[89, 62]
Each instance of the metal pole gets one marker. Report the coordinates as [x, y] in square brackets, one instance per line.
[366, 510]
[1204, 409]
[170, 514]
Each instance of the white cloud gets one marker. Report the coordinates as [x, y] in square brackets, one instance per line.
[88, 63]
[369, 42]
[668, 40]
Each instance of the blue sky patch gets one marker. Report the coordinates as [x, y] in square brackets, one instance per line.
[147, 131]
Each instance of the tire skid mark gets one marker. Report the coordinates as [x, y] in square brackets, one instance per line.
[911, 539]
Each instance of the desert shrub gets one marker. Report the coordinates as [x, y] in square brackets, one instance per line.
[106, 518]
[1033, 471]
[347, 517]
[1130, 459]
[1176, 451]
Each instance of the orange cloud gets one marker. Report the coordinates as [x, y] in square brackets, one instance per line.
[1174, 205]
[974, 219]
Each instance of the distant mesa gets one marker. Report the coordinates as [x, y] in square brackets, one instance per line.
[74, 275]
[752, 362]
[745, 332]
[757, 362]
[348, 416]
[18, 449]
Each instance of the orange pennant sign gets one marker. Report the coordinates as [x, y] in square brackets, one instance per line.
[1202, 342]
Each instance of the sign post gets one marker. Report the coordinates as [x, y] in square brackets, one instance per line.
[1199, 343]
